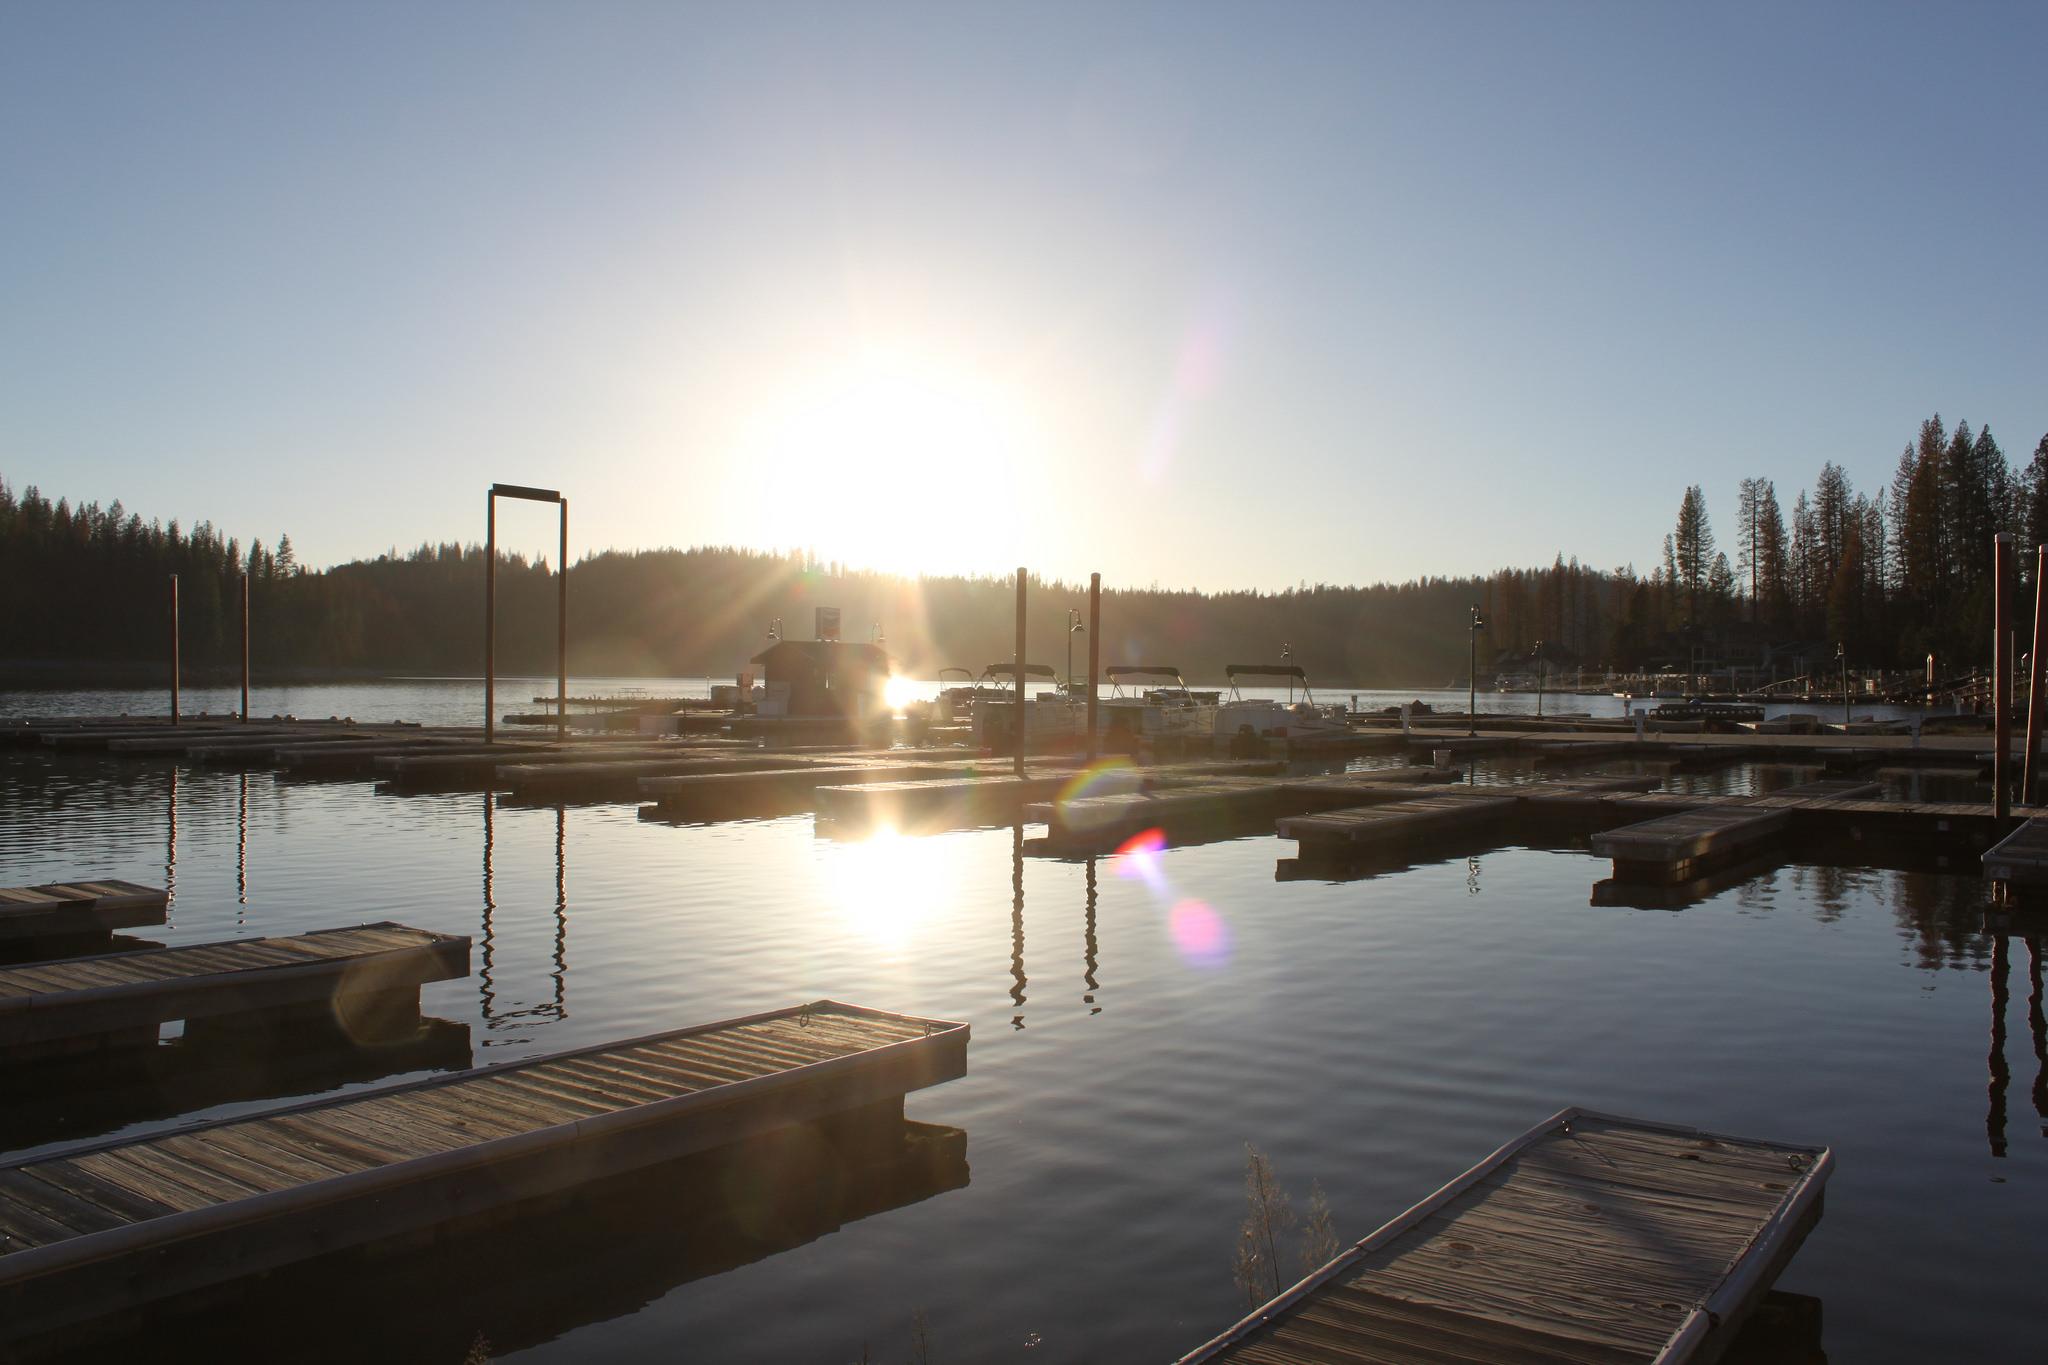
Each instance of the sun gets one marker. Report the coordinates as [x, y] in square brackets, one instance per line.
[899, 692]
[897, 459]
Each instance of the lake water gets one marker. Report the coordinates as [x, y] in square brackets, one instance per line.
[1135, 1023]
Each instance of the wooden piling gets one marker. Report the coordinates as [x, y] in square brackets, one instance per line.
[245, 647]
[1023, 719]
[2028, 792]
[2001, 681]
[1094, 657]
[562, 630]
[174, 649]
[490, 612]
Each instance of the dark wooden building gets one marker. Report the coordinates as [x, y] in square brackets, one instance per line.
[823, 678]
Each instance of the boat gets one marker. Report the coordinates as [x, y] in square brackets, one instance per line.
[1268, 718]
[955, 700]
[1147, 715]
[1048, 716]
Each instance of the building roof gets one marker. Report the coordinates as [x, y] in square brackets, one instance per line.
[830, 654]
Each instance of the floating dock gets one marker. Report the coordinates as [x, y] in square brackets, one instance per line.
[1588, 1239]
[1190, 808]
[96, 1229]
[367, 979]
[1387, 828]
[71, 912]
[1689, 844]
[939, 802]
[778, 791]
[2017, 865]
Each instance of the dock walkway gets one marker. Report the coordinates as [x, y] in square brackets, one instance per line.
[97, 1228]
[74, 910]
[121, 999]
[1588, 1239]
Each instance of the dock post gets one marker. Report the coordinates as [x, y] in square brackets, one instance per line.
[2028, 795]
[1023, 721]
[245, 647]
[174, 649]
[1094, 658]
[490, 610]
[562, 631]
[2001, 679]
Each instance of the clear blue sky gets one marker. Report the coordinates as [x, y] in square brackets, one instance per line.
[1217, 295]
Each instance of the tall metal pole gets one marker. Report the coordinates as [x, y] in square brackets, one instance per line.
[1021, 718]
[2028, 793]
[174, 649]
[562, 631]
[1094, 654]
[1472, 677]
[245, 647]
[2001, 677]
[490, 612]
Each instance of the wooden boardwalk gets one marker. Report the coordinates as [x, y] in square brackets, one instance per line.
[368, 977]
[940, 802]
[1189, 805]
[68, 911]
[94, 1229]
[775, 791]
[1588, 1239]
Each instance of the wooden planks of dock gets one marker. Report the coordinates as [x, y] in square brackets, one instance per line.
[368, 977]
[1589, 1238]
[98, 1228]
[66, 911]
[1374, 829]
[1689, 843]
[2018, 864]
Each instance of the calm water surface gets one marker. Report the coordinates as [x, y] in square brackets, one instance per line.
[1135, 1023]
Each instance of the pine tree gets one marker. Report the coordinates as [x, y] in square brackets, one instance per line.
[1692, 545]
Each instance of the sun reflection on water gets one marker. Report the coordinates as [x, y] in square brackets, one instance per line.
[888, 886]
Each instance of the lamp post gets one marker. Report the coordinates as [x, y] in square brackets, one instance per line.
[1287, 656]
[1472, 675]
[1074, 627]
[1537, 656]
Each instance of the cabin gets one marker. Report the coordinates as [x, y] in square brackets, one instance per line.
[823, 678]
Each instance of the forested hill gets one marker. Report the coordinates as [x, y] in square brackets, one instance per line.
[1891, 574]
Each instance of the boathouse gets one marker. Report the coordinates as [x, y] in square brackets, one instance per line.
[823, 678]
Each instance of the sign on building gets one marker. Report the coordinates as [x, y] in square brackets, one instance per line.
[828, 623]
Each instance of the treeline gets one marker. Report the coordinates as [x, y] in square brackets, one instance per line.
[1891, 575]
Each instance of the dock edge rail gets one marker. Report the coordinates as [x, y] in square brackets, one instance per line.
[1733, 1289]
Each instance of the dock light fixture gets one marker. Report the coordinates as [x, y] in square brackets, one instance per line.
[775, 629]
[525, 494]
[1536, 655]
[1472, 675]
[1287, 656]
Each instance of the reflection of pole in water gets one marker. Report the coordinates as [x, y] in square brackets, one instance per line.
[2037, 1024]
[485, 995]
[1088, 943]
[242, 847]
[1017, 979]
[171, 844]
[2001, 1074]
[561, 912]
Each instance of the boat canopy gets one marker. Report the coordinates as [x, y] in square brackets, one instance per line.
[1142, 670]
[1265, 671]
[1030, 670]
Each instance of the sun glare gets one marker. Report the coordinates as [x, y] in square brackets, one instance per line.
[899, 692]
[872, 461]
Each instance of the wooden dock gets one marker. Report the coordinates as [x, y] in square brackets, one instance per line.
[366, 978]
[96, 1229]
[939, 802]
[1589, 1238]
[777, 791]
[73, 912]
[1689, 844]
[1389, 828]
[2017, 865]
[1187, 807]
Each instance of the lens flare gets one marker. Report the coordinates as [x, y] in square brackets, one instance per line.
[1138, 856]
[1199, 933]
[1104, 777]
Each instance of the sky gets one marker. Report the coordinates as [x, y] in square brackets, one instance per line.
[1197, 295]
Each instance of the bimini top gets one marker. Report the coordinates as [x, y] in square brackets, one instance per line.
[1266, 671]
[1030, 670]
[1144, 670]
